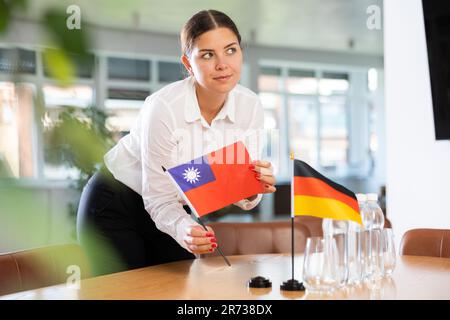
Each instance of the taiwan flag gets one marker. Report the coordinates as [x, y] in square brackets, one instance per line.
[217, 179]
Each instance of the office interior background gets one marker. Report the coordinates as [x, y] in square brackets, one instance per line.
[344, 83]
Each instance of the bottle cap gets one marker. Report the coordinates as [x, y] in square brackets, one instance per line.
[361, 197]
[372, 196]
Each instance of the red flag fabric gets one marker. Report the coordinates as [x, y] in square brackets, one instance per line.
[217, 179]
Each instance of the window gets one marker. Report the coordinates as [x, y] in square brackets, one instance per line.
[333, 83]
[372, 79]
[333, 133]
[76, 96]
[84, 66]
[128, 84]
[309, 108]
[56, 99]
[170, 71]
[301, 82]
[128, 69]
[373, 138]
[123, 107]
[16, 131]
[17, 61]
[273, 109]
[303, 131]
[117, 85]
[269, 79]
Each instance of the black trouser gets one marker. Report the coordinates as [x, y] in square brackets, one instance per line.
[117, 232]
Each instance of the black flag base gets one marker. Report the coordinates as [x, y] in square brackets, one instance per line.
[259, 282]
[292, 285]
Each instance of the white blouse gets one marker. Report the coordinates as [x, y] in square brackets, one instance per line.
[170, 130]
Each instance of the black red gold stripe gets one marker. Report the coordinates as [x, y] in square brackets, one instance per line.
[316, 195]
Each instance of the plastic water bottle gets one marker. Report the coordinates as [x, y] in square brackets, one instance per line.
[375, 209]
[332, 227]
[366, 248]
[366, 215]
[362, 198]
[376, 225]
[355, 247]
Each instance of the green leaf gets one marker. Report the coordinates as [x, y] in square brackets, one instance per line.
[22, 4]
[59, 66]
[72, 41]
[80, 139]
[5, 15]
[6, 9]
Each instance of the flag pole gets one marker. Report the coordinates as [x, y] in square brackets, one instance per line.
[292, 213]
[292, 284]
[218, 248]
[194, 211]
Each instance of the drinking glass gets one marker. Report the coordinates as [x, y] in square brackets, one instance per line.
[355, 257]
[376, 254]
[388, 251]
[341, 256]
[319, 265]
[372, 255]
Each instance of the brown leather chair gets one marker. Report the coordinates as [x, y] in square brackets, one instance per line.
[314, 224]
[426, 242]
[387, 223]
[40, 267]
[259, 237]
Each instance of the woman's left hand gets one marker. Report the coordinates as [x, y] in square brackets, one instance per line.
[264, 173]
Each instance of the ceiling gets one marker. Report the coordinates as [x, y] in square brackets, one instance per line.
[310, 24]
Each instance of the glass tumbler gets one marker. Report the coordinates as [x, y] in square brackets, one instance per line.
[319, 265]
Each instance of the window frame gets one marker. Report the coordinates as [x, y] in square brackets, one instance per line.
[319, 70]
[100, 84]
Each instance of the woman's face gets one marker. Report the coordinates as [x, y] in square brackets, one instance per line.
[216, 60]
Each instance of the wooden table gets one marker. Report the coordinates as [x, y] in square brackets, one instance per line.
[414, 278]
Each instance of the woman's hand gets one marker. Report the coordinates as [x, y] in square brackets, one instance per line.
[264, 173]
[200, 241]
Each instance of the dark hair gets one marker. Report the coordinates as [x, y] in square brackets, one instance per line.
[202, 22]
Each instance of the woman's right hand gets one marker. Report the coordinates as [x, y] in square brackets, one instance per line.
[200, 241]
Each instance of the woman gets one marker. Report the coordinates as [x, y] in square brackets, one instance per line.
[136, 212]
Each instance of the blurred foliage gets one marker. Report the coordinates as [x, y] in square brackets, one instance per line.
[23, 216]
[5, 170]
[59, 65]
[70, 40]
[79, 139]
[24, 224]
[7, 7]
[68, 43]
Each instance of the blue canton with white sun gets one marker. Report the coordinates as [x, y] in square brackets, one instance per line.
[192, 174]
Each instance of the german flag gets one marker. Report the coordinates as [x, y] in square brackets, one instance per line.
[316, 195]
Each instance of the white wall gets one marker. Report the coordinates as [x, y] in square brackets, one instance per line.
[417, 166]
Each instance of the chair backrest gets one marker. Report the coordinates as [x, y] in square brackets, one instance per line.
[426, 242]
[314, 224]
[40, 267]
[387, 223]
[259, 237]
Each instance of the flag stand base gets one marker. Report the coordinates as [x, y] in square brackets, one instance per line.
[259, 282]
[292, 285]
